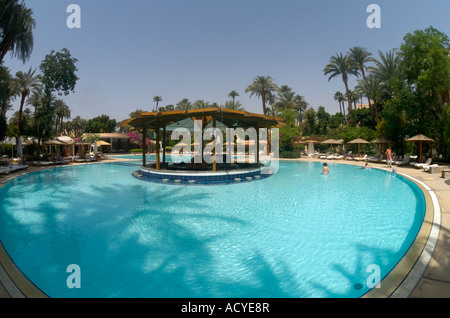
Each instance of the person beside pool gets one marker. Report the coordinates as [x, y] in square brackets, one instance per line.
[325, 169]
[367, 166]
[389, 157]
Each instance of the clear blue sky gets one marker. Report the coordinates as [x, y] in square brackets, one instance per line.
[131, 51]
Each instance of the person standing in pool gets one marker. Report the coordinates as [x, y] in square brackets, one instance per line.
[325, 169]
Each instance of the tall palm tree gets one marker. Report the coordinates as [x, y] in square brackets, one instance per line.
[61, 111]
[233, 94]
[261, 87]
[360, 57]
[22, 85]
[16, 30]
[344, 66]
[157, 100]
[340, 98]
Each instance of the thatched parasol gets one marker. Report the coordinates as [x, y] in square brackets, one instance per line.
[358, 141]
[420, 139]
[331, 142]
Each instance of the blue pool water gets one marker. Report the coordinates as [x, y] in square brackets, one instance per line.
[298, 233]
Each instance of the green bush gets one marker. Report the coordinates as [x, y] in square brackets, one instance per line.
[290, 154]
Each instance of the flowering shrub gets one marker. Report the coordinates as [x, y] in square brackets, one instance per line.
[136, 139]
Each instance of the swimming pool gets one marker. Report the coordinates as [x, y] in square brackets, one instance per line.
[296, 234]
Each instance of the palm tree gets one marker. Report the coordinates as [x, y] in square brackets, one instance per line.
[340, 98]
[360, 57]
[372, 88]
[76, 126]
[22, 85]
[16, 30]
[6, 94]
[235, 105]
[354, 95]
[261, 87]
[200, 104]
[388, 69]
[184, 104]
[61, 111]
[343, 65]
[36, 100]
[157, 99]
[233, 94]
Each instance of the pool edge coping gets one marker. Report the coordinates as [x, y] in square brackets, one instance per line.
[399, 283]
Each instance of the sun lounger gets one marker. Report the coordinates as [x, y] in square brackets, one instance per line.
[429, 167]
[421, 165]
[12, 168]
[375, 159]
[42, 163]
[404, 162]
[361, 158]
[4, 170]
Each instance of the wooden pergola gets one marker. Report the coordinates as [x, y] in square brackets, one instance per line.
[159, 121]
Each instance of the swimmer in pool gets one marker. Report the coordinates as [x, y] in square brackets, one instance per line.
[325, 169]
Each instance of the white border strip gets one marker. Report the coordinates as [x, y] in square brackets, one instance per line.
[204, 174]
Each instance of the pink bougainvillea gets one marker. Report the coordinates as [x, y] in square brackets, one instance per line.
[136, 138]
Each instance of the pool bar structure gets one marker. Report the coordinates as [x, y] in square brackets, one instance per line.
[202, 177]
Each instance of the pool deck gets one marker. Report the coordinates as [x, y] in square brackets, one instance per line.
[433, 279]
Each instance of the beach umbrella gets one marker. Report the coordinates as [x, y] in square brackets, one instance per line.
[53, 142]
[103, 143]
[310, 143]
[331, 142]
[358, 141]
[382, 141]
[420, 139]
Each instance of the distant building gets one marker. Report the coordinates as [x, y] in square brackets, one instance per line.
[119, 142]
[359, 106]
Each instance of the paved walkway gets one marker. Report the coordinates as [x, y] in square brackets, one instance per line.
[435, 282]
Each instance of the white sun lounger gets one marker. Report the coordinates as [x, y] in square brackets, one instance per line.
[404, 162]
[361, 158]
[427, 167]
[421, 165]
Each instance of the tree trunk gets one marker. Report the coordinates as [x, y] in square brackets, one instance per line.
[263, 97]
[349, 100]
[19, 124]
